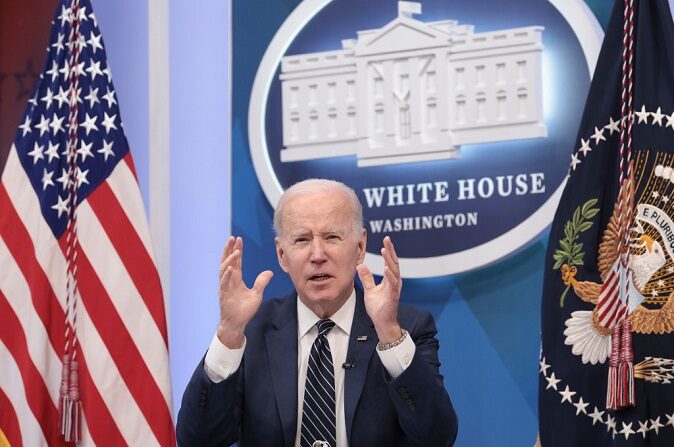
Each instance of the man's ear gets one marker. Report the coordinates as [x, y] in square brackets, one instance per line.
[362, 245]
[280, 254]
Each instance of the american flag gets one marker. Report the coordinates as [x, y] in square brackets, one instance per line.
[70, 202]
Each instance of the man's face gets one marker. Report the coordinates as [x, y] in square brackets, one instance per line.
[320, 248]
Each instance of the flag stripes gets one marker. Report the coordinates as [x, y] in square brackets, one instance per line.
[11, 436]
[124, 351]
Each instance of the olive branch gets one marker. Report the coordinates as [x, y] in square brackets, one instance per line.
[570, 251]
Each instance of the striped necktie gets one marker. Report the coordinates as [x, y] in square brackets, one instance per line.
[318, 412]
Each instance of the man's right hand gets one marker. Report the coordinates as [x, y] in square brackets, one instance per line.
[238, 303]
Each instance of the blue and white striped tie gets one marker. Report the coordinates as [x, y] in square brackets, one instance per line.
[318, 413]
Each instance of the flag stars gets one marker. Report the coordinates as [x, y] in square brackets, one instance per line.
[53, 71]
[613, 126]
[89, 123]
[597, 416]
[85, 151]
[670, 121]
[109, 122]
[63, 179]
[643, 115]
[584, 147]
[670, 419]
[655, 194]
[59, 43]
[82, 177]
[57, 124]
[108, 73]
[52, 151]
[48, 98]
[66, 15]
[661, 283]
[544, 367]
[552, 382]
[567, 394]
[47, 179]
[61, 206]
[665, 199]
[62, 97]
[36, 153]
[92, 97]
[657, 116]
[94, 69]
[610, 424]
[581, 406]
[656, 425]
[43, 125]
[95, 42]
[598, 135]
[574, 161]
[627, 430]
[106, 150]
[110, 97]
[643, 428]
[25, 127]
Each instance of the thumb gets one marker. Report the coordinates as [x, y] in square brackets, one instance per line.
[365, 276]
[262, 281]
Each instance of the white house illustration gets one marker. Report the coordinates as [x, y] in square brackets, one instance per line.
[412, 91]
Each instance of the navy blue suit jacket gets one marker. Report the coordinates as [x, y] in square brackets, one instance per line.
[257, 405]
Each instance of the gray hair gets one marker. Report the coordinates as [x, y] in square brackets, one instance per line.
[313, 186]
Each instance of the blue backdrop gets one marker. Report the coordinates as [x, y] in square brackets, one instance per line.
[488, 319]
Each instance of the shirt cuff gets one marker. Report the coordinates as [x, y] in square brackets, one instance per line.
[221, 362]
[397, 359]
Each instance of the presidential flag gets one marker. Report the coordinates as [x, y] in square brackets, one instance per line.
[83, 337]
[607, 357]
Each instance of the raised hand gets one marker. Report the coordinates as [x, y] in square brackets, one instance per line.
[238, 303]
[381, 300]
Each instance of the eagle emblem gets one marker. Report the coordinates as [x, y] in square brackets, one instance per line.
[650, 306]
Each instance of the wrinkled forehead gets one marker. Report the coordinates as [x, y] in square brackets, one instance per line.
[318, 211]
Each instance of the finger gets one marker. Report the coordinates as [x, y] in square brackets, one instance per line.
[388, 243]
[229, 248]
[230, 261]
[238, 245]
[389, 261]
[393, 282]
[225, 277]
[262, 281]
[365, 276]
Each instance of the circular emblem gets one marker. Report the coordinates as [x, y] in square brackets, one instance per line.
[452, 122]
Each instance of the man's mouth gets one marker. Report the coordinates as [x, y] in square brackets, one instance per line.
[319, 277]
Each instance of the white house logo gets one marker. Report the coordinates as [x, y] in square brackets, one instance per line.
[454, 126]
[413, 91]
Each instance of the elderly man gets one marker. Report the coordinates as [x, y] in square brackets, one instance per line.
[329, 365]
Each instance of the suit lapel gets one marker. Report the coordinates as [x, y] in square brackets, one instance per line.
[359, 354]
[281, 343]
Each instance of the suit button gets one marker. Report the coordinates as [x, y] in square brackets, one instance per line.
[409, 402]
[404, 395]
[402, 389]
[412, 407]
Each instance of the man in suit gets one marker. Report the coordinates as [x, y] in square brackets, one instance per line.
[329, 365]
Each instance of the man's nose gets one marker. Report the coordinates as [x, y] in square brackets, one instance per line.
[317, 250]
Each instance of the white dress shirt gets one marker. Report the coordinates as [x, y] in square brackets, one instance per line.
[221, 362]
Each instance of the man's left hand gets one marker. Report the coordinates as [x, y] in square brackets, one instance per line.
[381, 300]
